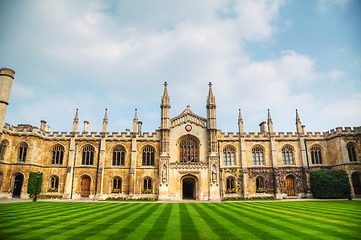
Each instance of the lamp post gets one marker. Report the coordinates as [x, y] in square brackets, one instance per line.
[37, 182]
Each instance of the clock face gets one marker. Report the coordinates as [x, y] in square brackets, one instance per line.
[188, 128]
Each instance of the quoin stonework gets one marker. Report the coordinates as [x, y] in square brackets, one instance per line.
[187, 157]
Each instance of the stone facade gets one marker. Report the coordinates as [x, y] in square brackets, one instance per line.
[186, 158]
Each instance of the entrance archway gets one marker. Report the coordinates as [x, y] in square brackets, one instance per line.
[18, 184]
[290, 186]
[85, 187]
[356, 183]
[189, 188]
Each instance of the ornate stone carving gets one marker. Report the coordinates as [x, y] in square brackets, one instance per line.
[188, 165]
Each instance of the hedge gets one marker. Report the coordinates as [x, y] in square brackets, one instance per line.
[327, 184]
[32, 183]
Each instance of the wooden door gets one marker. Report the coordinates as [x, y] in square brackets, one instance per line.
[290, 189]
[85, 187]
[356, 183]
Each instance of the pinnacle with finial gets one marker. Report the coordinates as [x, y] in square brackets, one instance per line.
[269, 116]
[298, 120]
[76, 118]
[135, 115]
[106, 116]
[240, 119]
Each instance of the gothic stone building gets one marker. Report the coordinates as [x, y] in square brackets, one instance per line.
[186, 158]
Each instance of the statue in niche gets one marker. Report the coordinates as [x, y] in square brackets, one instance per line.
[164, 173]
[214, 173]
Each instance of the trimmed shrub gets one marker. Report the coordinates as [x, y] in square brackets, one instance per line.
[32, 183]
[330, 184]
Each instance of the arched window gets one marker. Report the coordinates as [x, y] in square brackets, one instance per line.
[351, 148]
[230, 185]
[228, 156]
[58, 155]
[148, 156]
[188, 149]
[54, 184]
[118, 156]
[3, 149]
[260, 185]
[23, 149]
[257, 156]
[287, 155]
[88, 155]
[147, 185]
[117, 185]
[316, 155]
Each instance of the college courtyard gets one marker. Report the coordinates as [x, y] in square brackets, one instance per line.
[278, 219]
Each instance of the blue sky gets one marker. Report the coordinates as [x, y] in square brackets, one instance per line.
[93, 55]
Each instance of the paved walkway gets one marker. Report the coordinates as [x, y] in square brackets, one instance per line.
[15, 200]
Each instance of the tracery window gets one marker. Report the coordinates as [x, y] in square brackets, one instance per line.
[88, 155]
[260, 184]
[287, 155]
[257, 156]
[188, 149]
[316, 155]
[117, 184]
[54, 183]
[3, 149]
[148, 156]
[23, 149]
[228, 156]
[58, 155]
[230, 185]
[351, 149]
[147, 185]
[118, 156]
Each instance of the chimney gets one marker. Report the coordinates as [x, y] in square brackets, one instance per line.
[263, 127]
[86, 125]
[127, 131]
[42, 125]
[47, 128]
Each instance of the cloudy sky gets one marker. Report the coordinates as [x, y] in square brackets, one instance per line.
[92, 55]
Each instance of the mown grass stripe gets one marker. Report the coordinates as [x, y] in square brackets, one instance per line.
[222, 231]
[302, 222]
[246, 228]
[160, 224]
[187, 225]
[273, 222]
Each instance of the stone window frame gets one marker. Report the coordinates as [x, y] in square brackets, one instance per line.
[22, 152]
[316, 154]
[288, 156]
[3, 146]
[88, 152]
[118, 154]
[230, 181]
[192, 144]
[229, 155]
[118, 180]
[148, 155]
[148, 183]
[54, 181]
[352, 152]
[58, 151]
[258, 159]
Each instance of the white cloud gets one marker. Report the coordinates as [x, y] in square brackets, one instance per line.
[334, 75]
[21, 91]
[323, 5]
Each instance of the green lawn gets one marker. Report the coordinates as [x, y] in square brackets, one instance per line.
[243, 220]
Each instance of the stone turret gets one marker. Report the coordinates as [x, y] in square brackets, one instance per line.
[269, 123]
[6, 81]
[165, 121]
[76, 122]
[212, 121]
[240, 121]
[105, 121]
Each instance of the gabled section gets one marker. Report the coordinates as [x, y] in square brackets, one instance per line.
[188, 116]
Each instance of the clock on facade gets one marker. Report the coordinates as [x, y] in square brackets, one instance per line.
[188, 128]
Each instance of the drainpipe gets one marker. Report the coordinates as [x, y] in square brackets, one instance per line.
[96, 176]
[220, 174]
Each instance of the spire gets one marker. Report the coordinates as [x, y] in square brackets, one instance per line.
[135, 122]
[165, 97]
[269, 122]
[240, 121]
[105, 121]
[76, 121]
[299, 127]
[211, 99]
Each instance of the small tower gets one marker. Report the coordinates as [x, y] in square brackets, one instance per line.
[105, 121]
[269, 123]
[165, 120]
[135, 122]
[6, 81]
[75, 122]
[211, 121]
[240, 122]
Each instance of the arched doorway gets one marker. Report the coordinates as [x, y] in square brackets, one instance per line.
[18, 184]
[85, 187]
[356, 183]
[189, 188]
[290, 186]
